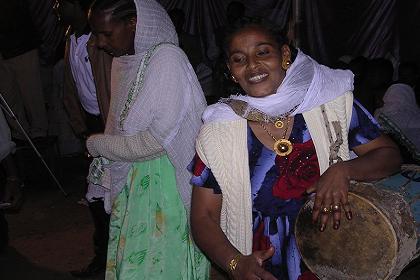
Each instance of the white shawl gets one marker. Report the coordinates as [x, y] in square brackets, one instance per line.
[307, 85]
[167, 103]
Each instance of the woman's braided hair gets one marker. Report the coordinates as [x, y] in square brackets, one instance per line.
[120, 9]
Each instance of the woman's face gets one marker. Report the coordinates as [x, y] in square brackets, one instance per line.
[116, 37]
[255, 61]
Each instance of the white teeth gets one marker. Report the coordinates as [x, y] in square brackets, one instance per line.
[258, 77]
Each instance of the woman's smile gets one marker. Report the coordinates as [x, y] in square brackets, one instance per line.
[258, 78]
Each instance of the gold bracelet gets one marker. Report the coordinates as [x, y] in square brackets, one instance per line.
[233, 263]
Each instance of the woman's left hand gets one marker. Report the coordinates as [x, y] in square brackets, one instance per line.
[332, 196]
[375, 160]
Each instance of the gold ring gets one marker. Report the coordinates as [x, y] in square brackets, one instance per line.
[336, 207]
[326, 210]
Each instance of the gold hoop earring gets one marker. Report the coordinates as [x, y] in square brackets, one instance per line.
[233, 78]
[285, 64]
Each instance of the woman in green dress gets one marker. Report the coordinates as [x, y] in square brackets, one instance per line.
[142, 158]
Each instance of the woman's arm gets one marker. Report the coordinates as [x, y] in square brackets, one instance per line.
[376, 159]
[139, 147]
[205, 225]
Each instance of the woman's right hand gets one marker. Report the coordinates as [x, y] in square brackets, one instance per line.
[207, 233]
[251, 267]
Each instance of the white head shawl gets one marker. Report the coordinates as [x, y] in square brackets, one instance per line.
[153, 28]
[307, 84]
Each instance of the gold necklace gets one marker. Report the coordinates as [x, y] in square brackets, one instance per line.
[243, 109]
[283, 147]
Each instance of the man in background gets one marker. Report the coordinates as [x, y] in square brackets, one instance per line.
[20, 77]
[87, 76]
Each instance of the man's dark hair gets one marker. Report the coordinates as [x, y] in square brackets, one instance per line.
[120, 9]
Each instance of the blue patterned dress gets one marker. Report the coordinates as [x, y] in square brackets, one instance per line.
[277, 187]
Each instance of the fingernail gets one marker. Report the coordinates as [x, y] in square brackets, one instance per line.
[322, 227]
[349, 215]
[336, 225]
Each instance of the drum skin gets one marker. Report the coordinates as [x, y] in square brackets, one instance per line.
[376, 244]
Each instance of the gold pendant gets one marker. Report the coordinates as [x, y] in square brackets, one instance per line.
[278, 124]
[283, 147]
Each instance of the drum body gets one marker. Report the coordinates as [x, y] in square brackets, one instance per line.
[377, 243]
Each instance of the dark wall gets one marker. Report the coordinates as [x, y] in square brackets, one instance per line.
[409, 30]
[370, 28]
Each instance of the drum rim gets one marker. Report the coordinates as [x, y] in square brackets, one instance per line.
[394, 236]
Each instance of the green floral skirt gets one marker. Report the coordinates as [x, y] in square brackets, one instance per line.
[149, 235]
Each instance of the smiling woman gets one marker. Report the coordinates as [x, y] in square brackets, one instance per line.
[261, 153]
[254, 61]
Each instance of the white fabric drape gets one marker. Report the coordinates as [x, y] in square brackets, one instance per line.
[307, 84]
[401, 107]
[166, 100]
